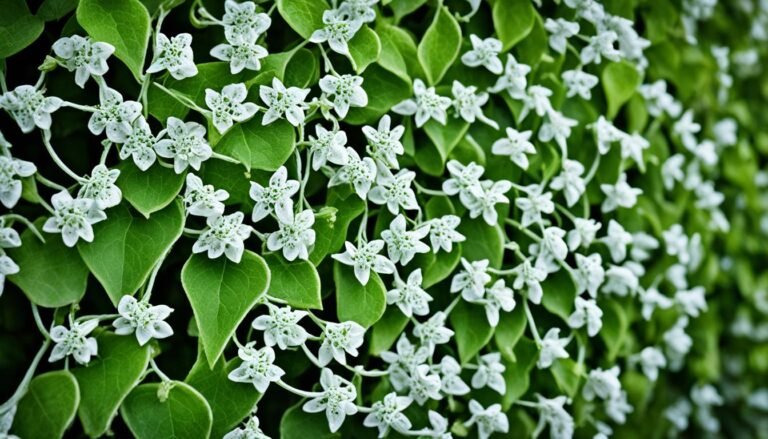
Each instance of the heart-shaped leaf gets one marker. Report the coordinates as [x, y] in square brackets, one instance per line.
[364, 304]
[133, 182]
[48, 407]
[295, 282]
[169, 410]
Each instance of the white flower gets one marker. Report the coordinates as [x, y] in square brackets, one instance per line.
[241, 20]
[498, 297]
[617, 241]
[468, 103]
[464, 180]
[642, 245]
[145, 320]
[651, 359]
[139, 144]
[403, 245]
[409, 296]
[114, 115]
[337, 399]
[361, 10]
[346, 91]
[423, 385]
[516, 145]
[677, 243]
[29, 107]
[490, 373]
[601, 46]
[394, 191]
[671, 170]
[534, 204]
[225, 235]
[485, 204]
[186, 144]
[678, 343]
[471, 281]
[442, 233]
[426, 104]
[586, 313]
[589, 273]
[328, 146]
[74, 341]
[401, 363]
[388, 413]
[340, 339]
[73, 218]
[570, 181]
[361, 173]
[9, 237]
[485, 52]
[605, 134]
[365, 259]
[620, 280]
[678, 414]
[633, 146]
[602, 383]
[488, 420]
[558, 127]
[242, 54]
[726, 132]
[175, 55]
[705, 396]
[250, 430]
[583, 233]
[83, 56]
[295, 235]
[552, 243]
[450, 377]
[6, 422]
[279, 191]
[686, 129]
[384, 142]
[513, 81]
[433, 331]
[339, 28]
[617, 408]
[691, 301]
[439, 423]
[658, 101]
[281, 327]
[552, 348]
[536, 98]
[620, 194]
[580, 83]
[283, 102]
[7, 267]
[560, 30]
[228, 106]
[203, 199]
[10, 187]
[100, 187]
[560, 422]
[531, 277]
[651, 299]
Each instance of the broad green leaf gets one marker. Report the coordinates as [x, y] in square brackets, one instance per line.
[364, 304]
[301, 70]
[51, 274]
[620, 80]
[512, 20]
[517, 373]
[398, 50]
[108, 379]
[325, 222]
[168, 410]
[401, 8]
[221, 294]
[349, 206]
[133, 182]
[615, 327]
[387, 330]
[18, 27]
[48, 407]
[384, 89]
[559, 294]
[364, 49]
[483, 241]
[295, 282]
[567, 375]
[436, 267]
[440, 45]
[230, 402]
[258, 146]
[55, 9]
[128, 246]
[472, 331]
[124, 24]
[534, 45]
[445, 138]
[509, 330]
[303, 16]
[231, 177]
[297, 424]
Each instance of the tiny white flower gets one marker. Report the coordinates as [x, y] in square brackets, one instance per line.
[241, 54]
[281, 327]
[384, 142]
[677, 243]
[365, 258]
[394, 191]
[7, 267]
[618, 195]
[361, 10]
[29, 107]
[450, 377]
[516, 145]
[83, 56]
[583, 233]
[340, 339]
[552, 243]
[403, 245]
[388, 413]
[678, 343]
[114, 115]
[339, 28]
[143, 319]
[471, 281]
[692, 301]
[651, 359]
[570, 181]
[658, 101]
[560, 31]
[139, 144]
[100, 187]
[225, 235]
[485, 52]
[552, 412]
[606, 134]
[536, 98]
[337, 399]
[424, 385]
[328, 146]
[73, 218]
[586, 313]
[186, 145]
[580, 83]
[468, 103]
[433, 331]
[589, 273]
[513, 81]
[617, 241]
[651, 299]
[642, 246]
[602, 383]
[464, 180]
[9, 237]
[558, 127]
[241, 20]
[678, 414]
[489, 420]
[295, 235]
[686, 129]
[530, 276]
[10, 186]
[175, 55]
[442, 233]
[228, 106]
[632, 146]
[438, 423]
[498, 297]
[490, 373]
[361, 173]
[74, 341]
[426, 104]
[403, 361]
[552, 348]
[409, 296]
[250, 430]
[283, 102]
[617, 408]
[6, 422]
[203, 199]
[485, 204]
[672, 170]
[346, 90]
[620, 280]
[534, 204]
[279, 191]
[726, 132]
[601, 46]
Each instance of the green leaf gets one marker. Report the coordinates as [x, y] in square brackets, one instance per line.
[445, 138]
[620, 80]
[221, 294]
[471, 328]
[436, 267]
[364, 48]
[230, 402]
[133, 182]
[567, 375]
[18, 28]
[615, 327]
[401, 8]
[167, 410]
[55, 9]
[48, 407]
[387, 330]
[512, 20]
[108, 379]
[483, 241]
[534, 45]
[51, 274]
[297, 424]
[303, 16]
[398, 51]
[124, 24]
[517, 373]
[384, 89]
[127, 247]
[295, 282]
[258, 146]
[364, 304]
[559, 294]
[509, 330]
[301, 70]
[440, 45]
[349, 206]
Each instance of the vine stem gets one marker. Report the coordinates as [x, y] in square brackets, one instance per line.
[24, 385]
[532, 323]
[295, 391]
[57, 159]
